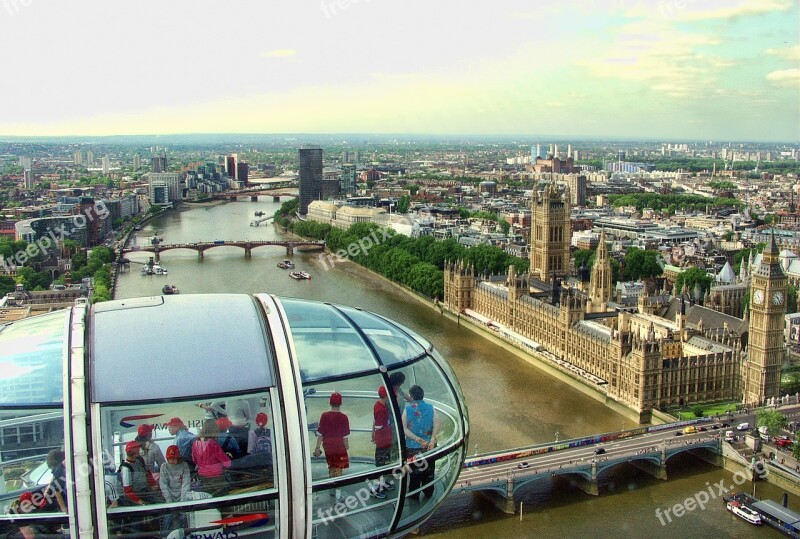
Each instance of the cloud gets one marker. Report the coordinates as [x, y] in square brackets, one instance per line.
[279, 53]
[788, 53]
[709, 10]
[789, 77]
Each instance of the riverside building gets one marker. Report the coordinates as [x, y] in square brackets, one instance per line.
[669, 352]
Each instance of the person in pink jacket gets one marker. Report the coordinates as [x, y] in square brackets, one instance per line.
[210, 460]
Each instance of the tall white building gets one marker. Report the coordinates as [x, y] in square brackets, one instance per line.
[78, 158]
[106, 165]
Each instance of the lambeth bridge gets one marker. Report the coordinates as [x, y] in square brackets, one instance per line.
[201, 247]
[583, 461]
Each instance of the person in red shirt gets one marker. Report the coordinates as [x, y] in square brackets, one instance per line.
[381, 436]
[332, 433]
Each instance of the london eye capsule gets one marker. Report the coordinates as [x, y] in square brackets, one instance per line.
[200, 416]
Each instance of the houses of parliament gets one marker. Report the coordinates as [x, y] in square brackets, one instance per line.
[665, 351]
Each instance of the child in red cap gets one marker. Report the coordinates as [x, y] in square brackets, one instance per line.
[334, 427]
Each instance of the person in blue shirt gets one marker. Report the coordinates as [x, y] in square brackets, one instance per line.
[421, 426]
[183, 439]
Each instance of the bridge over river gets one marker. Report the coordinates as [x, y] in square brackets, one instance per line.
[584, 460]
[156, 247]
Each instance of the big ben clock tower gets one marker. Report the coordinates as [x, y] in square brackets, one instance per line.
[761, 375]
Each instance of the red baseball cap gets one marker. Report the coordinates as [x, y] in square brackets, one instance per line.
[336, 399]
[173, 452]
[175, 422]
[224, 423]
[145, 430]
[382, 392]
[261, 419]
[130, 447]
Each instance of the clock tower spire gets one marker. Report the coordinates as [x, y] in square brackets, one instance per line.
[761, 375]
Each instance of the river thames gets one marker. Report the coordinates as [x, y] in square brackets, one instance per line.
[510, 402]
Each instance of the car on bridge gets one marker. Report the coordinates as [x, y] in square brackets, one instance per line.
[600, 451]
[783, 442]
[523, 465]
[691, 429]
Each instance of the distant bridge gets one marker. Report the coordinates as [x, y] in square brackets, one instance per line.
[276, 191]
[248, 245]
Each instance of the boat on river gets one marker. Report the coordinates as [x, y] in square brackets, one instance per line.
[743, 511]
[170, 289]
[286, 264]
[159, 270]
[299, 275]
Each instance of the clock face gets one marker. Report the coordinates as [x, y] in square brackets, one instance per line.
[777, 298]
[758, 297]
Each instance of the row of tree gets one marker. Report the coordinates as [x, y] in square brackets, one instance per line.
[415, 262]
[671, 203]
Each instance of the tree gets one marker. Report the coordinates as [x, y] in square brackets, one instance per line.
[584, 256]
[691, 277]
[403, 204]
[772, 419]
[697, 411]
[641, 264]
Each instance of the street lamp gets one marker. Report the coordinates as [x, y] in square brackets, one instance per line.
[557, 433]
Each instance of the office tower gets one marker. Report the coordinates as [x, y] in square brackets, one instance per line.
[569, 151]
[25, 163]
[621, 155]
[310, 176]
[231, 160]
[578, 188]
[137, 162]
[356, 156]
[27, 178]
[170, 181]
[106, 165]
[347, 183]
[89, 158]
[242, 170]
[159, 163]
[576, 155]
[78, 158]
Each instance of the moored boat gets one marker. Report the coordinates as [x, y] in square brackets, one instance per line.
[286, 264]
[742, 511]
[299, 275]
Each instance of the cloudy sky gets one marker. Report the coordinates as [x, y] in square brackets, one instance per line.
[669, 69]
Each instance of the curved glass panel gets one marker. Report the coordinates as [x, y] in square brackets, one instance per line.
[436, 393]
[31, 365]
[393, 346]
[34, 472]
[429, 480]
[327, 345]
[355, 493]
[173, 456]
[219, 335]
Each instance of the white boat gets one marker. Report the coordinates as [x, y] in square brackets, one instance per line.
[299, 275]
[147, 270]
[159, 270]
[286, 264]
[742, 511]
